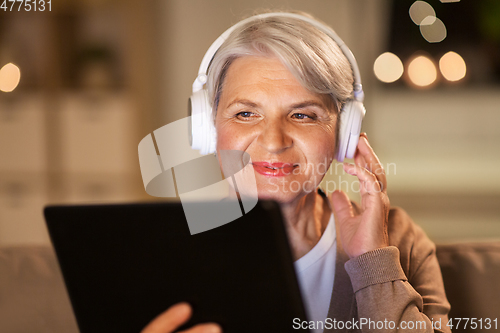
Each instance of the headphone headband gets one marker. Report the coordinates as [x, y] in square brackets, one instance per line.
[201, 79]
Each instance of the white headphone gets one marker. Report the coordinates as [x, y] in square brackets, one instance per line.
[202, 130]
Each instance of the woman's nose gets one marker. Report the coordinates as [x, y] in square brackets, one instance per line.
[274, 137]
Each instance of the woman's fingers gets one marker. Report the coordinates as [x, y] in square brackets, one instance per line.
[174, 317]
[169, 320]
[366, 157]
[369, 183]
[341, 205]
[359, 159]
[368, 230]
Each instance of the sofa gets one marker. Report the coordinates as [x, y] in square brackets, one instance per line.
[471, 274]
[33, 297]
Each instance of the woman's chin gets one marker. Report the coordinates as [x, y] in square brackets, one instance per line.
[281, 197]
[286, 192]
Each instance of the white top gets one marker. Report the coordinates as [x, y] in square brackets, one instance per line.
[316, 272]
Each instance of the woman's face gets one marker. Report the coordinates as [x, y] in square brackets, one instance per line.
[288, 131]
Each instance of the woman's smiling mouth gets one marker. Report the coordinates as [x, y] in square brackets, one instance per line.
[276, 169]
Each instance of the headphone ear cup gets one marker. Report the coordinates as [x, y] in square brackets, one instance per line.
[351, 116]
[202, 135]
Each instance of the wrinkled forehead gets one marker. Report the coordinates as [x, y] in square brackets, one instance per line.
[266, 72]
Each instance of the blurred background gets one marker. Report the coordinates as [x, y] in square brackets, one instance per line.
[83, 83]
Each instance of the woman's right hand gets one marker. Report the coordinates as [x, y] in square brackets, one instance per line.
[174, 317]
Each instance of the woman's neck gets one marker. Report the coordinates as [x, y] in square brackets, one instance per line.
[306, 220]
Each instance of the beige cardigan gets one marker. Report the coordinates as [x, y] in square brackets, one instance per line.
[401, 282]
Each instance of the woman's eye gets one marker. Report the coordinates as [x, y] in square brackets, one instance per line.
[301, 116]
[245, 115]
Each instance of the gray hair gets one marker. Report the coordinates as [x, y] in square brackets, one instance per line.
[312, 57]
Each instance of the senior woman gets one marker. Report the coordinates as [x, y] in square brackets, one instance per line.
[277, 86]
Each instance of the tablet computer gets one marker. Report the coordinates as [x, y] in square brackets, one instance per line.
[124, 264]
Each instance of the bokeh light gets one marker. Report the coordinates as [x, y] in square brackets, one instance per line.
[10, 75]
[388, 67]
[420, 10]
[452, 66]
[433, 29]
[422, 71]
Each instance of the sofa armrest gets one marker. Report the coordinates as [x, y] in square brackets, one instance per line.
[471, 273]
[33, 297]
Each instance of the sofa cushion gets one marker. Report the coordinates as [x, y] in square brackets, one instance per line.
[32, 293]
[471, 273]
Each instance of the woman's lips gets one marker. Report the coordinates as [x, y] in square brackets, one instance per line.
[276, 169]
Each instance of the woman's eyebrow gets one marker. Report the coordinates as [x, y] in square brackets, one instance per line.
[299, 105]
[245, 102]
[305, 104]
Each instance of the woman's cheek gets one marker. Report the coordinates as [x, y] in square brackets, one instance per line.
[323, 155]
[227, 137]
